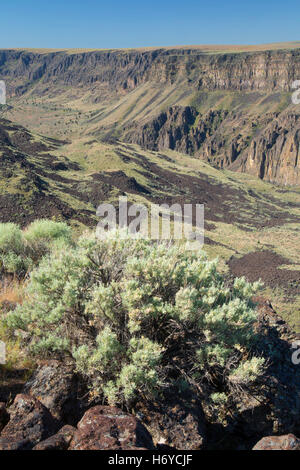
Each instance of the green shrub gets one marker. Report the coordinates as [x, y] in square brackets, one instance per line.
[43, 233]
[11, 239]
[138, 316]
[46, 231]
[219, 398]
[12, 249]
[13, 263]
[248, 371]
[21, 250]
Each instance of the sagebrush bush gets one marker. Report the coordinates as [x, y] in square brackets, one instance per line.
[10, 238]
[47, 231]
[13, 255]
[248, 371]
[21, 250]
[138, 316]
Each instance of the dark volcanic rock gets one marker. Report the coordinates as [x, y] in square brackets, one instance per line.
[59, 441]
[56, 386]
[24, 161]
[176, 129]
[287, 442]
[4, 416]
[177, 421]
[281, 393]
[106, 428]
[30, 422]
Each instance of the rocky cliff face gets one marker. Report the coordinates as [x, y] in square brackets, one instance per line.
[179, 128]
[256, 130]
[267, 146]
[274, 154]
[267, 70]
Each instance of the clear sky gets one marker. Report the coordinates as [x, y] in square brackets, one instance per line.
[138, 23]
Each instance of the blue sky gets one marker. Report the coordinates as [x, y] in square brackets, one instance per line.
[132, 23]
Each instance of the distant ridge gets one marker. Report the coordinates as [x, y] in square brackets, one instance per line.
[205, 48]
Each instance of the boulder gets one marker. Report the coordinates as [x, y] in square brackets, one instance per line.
[4, 416]
[30, 422]
[287, 442]
[177, 420]
[59, 441]
[57, 386]
[108, 428]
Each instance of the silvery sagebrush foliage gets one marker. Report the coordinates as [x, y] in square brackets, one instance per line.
[21, 250]
[137, 316]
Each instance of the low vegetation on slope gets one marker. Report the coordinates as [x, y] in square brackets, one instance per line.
[143, 321]
[138, 317]
[66, 181]
[21, 250]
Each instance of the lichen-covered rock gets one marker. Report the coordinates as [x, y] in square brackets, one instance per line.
[56, 386]
[59, 441]
[287, 442]
[108, 428]
[30, 422]
[175, 421]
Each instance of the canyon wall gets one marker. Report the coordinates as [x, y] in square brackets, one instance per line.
[256, 132]
[267, 70]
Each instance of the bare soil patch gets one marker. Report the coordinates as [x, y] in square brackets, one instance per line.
[265, 265]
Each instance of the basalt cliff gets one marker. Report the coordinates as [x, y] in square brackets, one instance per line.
[232, 109]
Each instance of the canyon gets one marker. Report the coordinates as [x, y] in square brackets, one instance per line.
[196, 124]
[211, 125]
[232, 109]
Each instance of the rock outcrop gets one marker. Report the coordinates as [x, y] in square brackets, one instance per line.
[176, 420]
[60, 441]
[30, 422]
[274, 155]
[287, 442]
[179, 128]
[266, 146]
[260, 70]
[106, 428]
[4, 416]
[58, 388]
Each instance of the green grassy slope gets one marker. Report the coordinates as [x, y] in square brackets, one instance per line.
[243, 214]
[42, 177]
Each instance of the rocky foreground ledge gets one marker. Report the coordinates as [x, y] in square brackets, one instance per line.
[33, 427]
[53, 412]
[29, 425]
